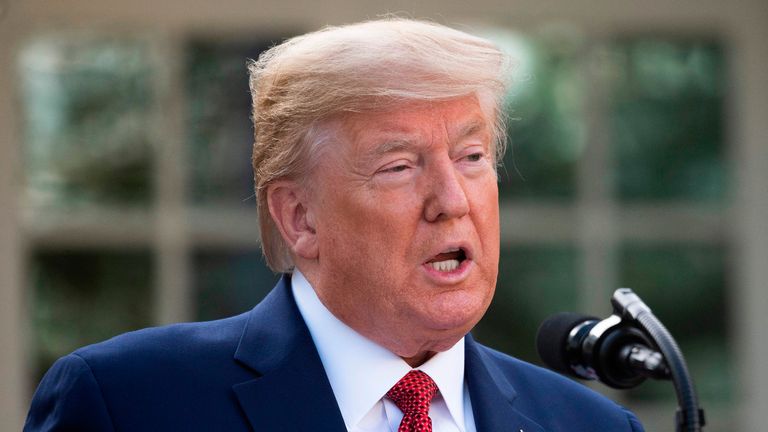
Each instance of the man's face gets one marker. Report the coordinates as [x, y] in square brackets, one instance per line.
[405, 207]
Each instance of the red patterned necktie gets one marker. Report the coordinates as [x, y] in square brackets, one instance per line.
[412, 394]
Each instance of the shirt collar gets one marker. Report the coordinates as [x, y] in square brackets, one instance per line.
[360, 371]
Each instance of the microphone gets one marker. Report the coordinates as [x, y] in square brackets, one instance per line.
[610, 350]
[621, 351]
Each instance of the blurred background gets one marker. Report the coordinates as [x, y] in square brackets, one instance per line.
[638, 157]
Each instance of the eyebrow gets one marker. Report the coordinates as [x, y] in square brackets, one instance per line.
[389, 146]
[400, 144]
[395, 145]
[472, 128]
[392, 146]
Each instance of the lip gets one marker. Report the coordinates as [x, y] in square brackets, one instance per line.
[468, 252]
[452, 277]
[449, 278]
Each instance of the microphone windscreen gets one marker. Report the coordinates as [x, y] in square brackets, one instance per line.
[552, 340]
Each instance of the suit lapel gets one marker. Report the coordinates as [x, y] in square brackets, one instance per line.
[292, 392]
[492, 395]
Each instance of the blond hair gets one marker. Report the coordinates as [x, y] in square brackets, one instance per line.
[299, 85]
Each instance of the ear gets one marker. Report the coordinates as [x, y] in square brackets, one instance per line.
[287, 203]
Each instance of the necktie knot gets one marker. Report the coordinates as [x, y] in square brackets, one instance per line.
[412, 394]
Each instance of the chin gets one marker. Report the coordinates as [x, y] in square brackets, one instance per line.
[432, 332]
[441, 334]
[457, 312]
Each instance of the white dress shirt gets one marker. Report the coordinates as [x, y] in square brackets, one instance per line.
[362, 372]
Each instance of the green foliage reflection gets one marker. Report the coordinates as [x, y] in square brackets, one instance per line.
[229, 283]
[668, 120]
[685, 286]
[534, 282]
[86, 297]
[545, 123]
[87, 129]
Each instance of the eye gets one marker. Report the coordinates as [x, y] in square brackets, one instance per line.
[395, 169]
[474, 157]
[396, 166]
[477, 156]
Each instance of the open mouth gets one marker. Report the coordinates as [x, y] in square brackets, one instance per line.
[448, 261]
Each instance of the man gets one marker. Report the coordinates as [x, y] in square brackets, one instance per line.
[375, 164]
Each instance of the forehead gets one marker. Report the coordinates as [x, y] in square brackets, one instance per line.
[414, 122]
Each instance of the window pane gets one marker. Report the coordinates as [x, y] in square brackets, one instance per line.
[534, 283]
[220, 131]
[668, 120]
[85, 297]
[86, 121]
[685, 286]
[545, 126]
[229, 283]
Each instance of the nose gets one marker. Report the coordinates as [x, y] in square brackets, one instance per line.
[446, 197]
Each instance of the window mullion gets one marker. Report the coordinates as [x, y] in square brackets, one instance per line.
[13, 355]
[173, 299]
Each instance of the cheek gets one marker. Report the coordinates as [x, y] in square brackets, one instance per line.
[485, 204]
[363, 235]
[387, 217]
[487, 225]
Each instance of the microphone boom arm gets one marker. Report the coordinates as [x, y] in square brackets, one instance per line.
[628, 306]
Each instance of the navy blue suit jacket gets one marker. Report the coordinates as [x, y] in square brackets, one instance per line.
[260, 371]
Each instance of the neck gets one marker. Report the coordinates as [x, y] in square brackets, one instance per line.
[419, 359]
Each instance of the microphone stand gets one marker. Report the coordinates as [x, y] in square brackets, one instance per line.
[628, 306]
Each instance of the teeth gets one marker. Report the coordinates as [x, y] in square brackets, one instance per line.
[445, 266]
